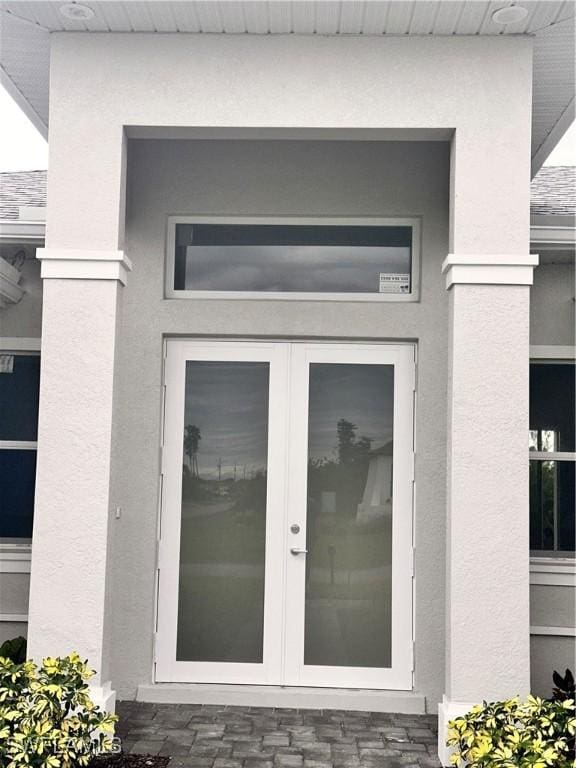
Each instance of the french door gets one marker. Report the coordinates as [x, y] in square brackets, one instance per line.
[285, 553]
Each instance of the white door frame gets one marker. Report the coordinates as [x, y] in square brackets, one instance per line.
[287, 458]
[399, 675]
[168, 669]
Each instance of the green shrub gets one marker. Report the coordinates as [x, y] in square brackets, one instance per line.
[47, 719]
[515, 734]
[15, 650]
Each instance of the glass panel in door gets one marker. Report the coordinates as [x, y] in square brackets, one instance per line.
[348, 602]
[223, 525]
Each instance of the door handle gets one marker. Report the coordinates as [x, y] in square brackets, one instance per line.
[298, 551]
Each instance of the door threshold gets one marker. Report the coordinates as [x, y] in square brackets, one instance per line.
[284, 697]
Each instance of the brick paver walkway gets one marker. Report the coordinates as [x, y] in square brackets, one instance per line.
[198, 736]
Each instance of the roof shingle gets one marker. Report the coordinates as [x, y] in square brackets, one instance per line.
[553, 191]
[21, 188]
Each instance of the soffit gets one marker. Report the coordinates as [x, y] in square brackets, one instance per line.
[26, 28]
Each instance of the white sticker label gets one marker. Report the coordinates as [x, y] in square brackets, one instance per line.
[394, 283]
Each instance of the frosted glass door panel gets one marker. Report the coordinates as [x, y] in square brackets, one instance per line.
[349, 516]
[223, 523]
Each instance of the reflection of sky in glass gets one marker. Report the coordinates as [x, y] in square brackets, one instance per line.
[362, 394]
[315, 268]
[228, 402]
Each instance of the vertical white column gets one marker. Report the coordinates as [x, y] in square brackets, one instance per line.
[70, 541]
[487, 576]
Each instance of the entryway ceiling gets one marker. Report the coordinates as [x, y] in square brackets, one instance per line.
[26, 28]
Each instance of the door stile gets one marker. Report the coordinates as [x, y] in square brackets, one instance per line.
[295, 565]
[168, 668]
[399, 675]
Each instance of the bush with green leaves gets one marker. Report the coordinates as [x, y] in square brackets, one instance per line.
[515, 734]
[47, 718]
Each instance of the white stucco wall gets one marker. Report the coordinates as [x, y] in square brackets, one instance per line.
[356, 88]
[242, 82]
[311, 178]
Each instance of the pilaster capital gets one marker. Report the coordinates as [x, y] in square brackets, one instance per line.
[489, 269]
[80, 264]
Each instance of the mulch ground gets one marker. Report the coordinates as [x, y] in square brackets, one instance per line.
[130, 761]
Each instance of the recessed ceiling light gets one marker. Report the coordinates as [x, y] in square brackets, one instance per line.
[510, 15]
[76, 12]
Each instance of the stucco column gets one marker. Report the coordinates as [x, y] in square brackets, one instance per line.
[71, 522]
[487, 579]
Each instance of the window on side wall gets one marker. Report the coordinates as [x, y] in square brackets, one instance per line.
[552, 456]
[19, 391]
[289, 258]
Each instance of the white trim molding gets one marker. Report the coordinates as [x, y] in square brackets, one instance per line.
[18, 445]
[16, 618]
[16, 344]
[558, 238]
[15, 558]
[76, 264]
[553, 571]
[449, 710]
[553, 631]
[552, 352]
[17, 231]
[489, 269]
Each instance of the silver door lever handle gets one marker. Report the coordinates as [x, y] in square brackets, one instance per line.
[298, 551]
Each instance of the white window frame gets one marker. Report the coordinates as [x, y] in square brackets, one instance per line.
[15, 552]
[558, 566]
[414, 223]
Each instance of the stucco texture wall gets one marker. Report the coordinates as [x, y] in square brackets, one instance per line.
[292, 178]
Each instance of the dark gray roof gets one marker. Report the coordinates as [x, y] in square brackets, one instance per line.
[21, 188]
[553, 191]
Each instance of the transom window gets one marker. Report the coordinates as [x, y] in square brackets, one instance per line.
[352, 259]
[552, 456]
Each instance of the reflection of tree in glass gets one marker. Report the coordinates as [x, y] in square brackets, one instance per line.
[192, 439]
[350, 449]
[345, 477]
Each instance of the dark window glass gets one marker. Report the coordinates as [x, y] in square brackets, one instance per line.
[293, 258]
[552, 505]
[223, 529]
[19, 399]
[17, 478]
[552, 405]
[348, 619]
[552, 429]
